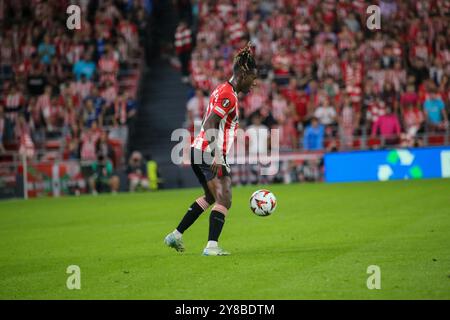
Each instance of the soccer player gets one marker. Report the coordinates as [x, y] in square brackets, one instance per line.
[209, 151]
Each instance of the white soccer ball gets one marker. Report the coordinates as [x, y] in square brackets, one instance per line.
[263, 203]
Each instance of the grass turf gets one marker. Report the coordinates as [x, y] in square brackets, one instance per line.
[317, 245]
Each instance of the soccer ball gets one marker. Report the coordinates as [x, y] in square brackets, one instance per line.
[263, 203]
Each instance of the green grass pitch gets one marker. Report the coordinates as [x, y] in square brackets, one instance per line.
[317, 245]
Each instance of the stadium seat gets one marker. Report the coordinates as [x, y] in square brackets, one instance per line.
[436, 139]
[53, 144]
[357, 143]
[373, 142]
[118, 151]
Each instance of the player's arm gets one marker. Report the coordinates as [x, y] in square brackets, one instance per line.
[211, 127]
[211, 123]
[224, 104]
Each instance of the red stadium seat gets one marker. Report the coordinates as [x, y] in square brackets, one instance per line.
[373, 142]
[53, 144]
[436, 139]
[11, 146]
[118, 151]
[357, 143]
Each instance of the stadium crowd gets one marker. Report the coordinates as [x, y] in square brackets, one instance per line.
[327, 81]
[73, 90]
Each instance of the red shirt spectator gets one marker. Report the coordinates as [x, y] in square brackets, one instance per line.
[14, 101]
[183, 38]
[108, 66]
[413, 118]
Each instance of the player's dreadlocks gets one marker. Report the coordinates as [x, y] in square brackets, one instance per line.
[244, 60]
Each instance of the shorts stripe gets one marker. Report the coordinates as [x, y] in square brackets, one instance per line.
[220, 208]
[202, 203]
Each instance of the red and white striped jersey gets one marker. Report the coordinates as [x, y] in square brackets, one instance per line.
[83, 89]
[14, 101]
[236, 32]
[108, 64]
[128, 30]
[43, 102]
[223, 102]
[183, 39]
[26, 144]
[303, 30]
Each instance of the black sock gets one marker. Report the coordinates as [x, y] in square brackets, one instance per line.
[216, 222]
[189, 218]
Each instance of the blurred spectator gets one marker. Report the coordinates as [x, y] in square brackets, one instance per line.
[409, 97]
[279, 107]
[326, 113]
[108, 66]
[435, 112]
[308, 171]
[288, 133]
[258, 135]
[46, 50]
[388, 127]
[103, 146]
[348, 121]
[153, 173]
[137, 172]
[313, 136]
[196, 107]
[118, 132]
[6, 58]
[74, 149]
[103, 178]
[2, 129]
[36, 81]
[316, 53]
[88, 143]
[183, 46]
[84, 67]
[413, 120]
[57, 85]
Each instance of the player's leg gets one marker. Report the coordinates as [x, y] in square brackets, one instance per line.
[221, 187]
[200, 205]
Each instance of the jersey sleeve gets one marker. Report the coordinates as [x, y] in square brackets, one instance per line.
[224, 104]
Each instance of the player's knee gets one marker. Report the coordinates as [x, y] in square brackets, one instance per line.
[226, 202]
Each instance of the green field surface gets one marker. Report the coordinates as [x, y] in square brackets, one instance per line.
[317, 245]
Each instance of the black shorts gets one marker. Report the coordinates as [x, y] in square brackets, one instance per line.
[203, 170]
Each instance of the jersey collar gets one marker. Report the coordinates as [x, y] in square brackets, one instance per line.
[232, 87]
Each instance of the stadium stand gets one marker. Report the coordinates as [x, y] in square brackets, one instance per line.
[61, 89]
[368, 89]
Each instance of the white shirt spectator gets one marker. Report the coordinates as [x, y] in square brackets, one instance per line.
[197, 107]
[325, 114]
